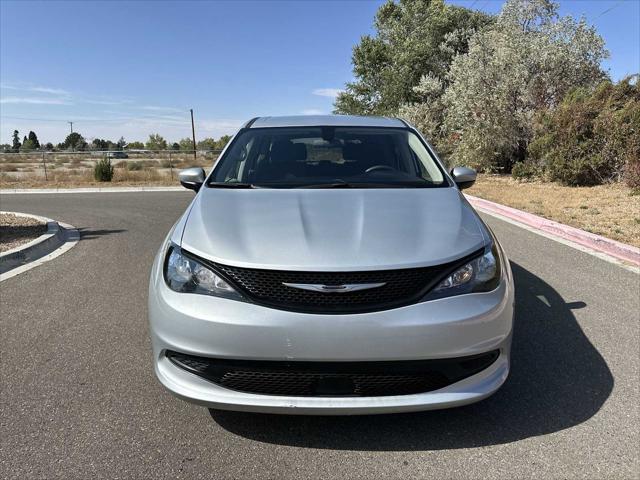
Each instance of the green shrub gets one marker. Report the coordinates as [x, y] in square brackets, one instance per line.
[592, 137]
[103, 171]
[134, 166]
[524, 171]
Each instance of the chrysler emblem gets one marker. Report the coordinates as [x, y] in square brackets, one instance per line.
[349, 287]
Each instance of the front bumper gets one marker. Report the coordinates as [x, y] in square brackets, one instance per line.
[220, 328]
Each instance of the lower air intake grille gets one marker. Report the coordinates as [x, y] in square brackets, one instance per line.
[360, 379]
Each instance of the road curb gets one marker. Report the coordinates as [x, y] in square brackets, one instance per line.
[618, 250]
[39, 250]
[29, 191]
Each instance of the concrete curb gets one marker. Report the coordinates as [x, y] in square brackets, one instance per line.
[39, 250]
[23, 191]
[618, 250]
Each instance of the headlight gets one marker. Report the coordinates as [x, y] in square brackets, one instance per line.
[481, 274]
[184, 274]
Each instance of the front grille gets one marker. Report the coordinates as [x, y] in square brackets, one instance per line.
[402, 287]
[360, 379]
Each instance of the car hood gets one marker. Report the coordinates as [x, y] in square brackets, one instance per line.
[332, 229]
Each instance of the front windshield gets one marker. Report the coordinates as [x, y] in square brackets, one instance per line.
[327, 157]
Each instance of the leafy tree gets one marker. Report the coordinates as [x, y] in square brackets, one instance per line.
[16, 141]
[27, 145]
[222, 141]
[135, 145]
[186, 144]
[413, 38]
[175, 146]
[428, 114]
[100, 144]
[5, 147]
[48, 147]
[156, 142]
[207, 144]
[34, 139]
[120, 144]
[523, 64]
[74, 141]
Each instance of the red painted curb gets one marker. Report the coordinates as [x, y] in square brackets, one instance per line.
[621, 251]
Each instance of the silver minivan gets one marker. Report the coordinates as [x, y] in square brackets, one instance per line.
[330, 265]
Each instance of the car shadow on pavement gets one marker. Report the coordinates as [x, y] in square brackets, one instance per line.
[558, 379]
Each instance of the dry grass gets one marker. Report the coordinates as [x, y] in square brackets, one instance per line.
[74, 178]
[609, 210]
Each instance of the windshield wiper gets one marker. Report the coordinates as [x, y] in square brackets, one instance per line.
[232, 185]
[330, 185]
[368, 185]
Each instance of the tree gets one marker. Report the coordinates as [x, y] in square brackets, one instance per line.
[27, 145]
[413, 38]
[175, 146]
[34, 139]
[135, 146]
[100, 144]
[522, 65]
[16, 141]
[186, 144]
[207, 144]
[156, 142]
[222, 141]
[428, 113]
[74, 141]
[48, 147]
[120, 144]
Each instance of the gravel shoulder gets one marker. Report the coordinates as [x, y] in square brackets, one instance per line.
[16, 230]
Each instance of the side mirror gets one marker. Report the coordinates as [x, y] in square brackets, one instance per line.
[192, 178]
[464, 177]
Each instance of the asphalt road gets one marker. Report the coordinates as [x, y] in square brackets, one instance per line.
[79, 399]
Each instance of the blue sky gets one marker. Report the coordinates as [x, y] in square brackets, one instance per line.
[132, 68]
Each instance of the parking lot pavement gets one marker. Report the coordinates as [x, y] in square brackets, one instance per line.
[79, 398]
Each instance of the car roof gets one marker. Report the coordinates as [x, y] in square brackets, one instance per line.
[325, 120]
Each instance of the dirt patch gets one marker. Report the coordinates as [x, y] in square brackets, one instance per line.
[16, 230]
[612, 211]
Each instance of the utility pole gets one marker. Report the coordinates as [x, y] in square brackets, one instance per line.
[71, 125]
[193, 133]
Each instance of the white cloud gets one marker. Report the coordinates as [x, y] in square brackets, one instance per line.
[106, 102]
[312, 111]
[327, 92]
[154, 108]
[52, 91]
[35, 100]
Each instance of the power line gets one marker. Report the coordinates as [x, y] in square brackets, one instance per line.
[609, 9]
